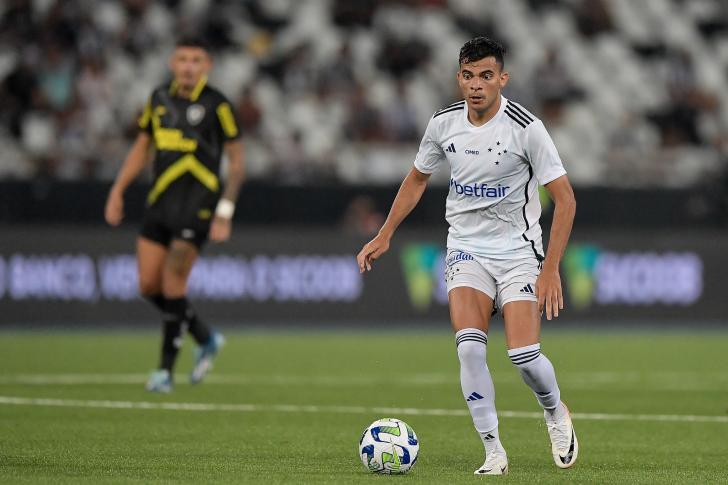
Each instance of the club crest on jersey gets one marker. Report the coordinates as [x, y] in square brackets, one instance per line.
[499, 149]
[195, 113]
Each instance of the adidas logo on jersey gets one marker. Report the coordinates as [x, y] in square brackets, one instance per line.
[474, 396]
[451, 148]
[527, 289]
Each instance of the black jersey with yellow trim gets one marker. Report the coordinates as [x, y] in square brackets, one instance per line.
[189, 134]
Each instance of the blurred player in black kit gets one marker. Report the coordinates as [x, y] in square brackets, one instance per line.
[190, 125]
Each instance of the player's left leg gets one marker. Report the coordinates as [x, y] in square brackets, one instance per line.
[523, 325]
[178, 266]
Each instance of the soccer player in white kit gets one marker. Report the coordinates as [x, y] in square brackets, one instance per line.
[498, 154]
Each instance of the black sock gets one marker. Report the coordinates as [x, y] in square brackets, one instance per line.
[157, 300]
[173, 320]
[199, 331]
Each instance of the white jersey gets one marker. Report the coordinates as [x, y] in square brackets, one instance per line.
[493, 207]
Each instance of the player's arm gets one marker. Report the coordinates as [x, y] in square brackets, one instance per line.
[408, 196]
[133, 165]
[548, 285]
[222, 223]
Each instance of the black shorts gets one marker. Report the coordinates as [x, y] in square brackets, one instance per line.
[193, 227]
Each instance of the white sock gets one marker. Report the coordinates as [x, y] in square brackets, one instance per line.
[477, 385]
[537, 371]
[491, 440]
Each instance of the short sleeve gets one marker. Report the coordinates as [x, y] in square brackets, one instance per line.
[430, 155]
[542, 154]
[145, 120]
[227, 120]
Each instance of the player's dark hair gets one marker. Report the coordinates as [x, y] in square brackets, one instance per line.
[193, 41]
[480, 48]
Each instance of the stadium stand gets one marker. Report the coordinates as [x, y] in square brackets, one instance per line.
[340, 92]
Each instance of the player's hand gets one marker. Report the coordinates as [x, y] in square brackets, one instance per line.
[114, 210]
[548, 292]
[371, 252]
[220, 229]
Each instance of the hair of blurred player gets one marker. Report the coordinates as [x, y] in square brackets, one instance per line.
[190, 61]
[193, 41]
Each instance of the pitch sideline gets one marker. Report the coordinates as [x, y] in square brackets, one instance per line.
[294, 408]
[683, 381]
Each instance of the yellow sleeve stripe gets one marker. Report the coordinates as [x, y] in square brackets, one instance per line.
[227, 120]
[145, 117]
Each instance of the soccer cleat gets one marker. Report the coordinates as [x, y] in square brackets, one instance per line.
[159, 381]
[564, 445]
[205, 354]
[496, 463]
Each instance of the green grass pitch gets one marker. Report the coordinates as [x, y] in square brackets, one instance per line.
[289, 407]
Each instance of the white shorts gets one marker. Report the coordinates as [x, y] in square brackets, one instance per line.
[503, 280]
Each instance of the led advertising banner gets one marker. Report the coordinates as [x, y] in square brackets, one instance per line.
[87, 275]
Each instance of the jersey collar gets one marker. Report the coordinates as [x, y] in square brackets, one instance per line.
[195, 92]
[491, 121]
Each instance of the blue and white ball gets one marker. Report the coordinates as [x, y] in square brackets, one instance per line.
[389, 445]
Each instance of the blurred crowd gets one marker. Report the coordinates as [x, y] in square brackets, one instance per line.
[340, 91]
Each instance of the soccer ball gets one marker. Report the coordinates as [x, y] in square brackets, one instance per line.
[389, 445]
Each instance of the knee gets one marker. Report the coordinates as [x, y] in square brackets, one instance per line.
[175, 267]
[149, 287]
[178, 262]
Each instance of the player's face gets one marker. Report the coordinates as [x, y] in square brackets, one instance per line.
[188, 65]
[481, 82]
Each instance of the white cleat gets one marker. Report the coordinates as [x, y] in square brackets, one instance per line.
[564, 445]
[205, 355]
[160, 381]
[496, 463]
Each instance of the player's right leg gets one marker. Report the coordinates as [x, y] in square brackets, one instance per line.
[150, 262]
[151, 255]
[470, 311]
